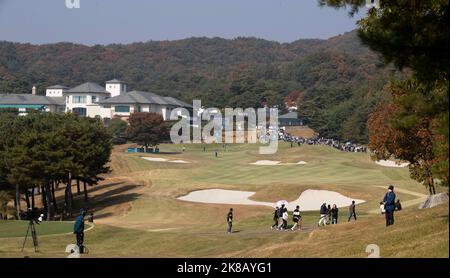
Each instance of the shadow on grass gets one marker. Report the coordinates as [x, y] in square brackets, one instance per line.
[100, 201]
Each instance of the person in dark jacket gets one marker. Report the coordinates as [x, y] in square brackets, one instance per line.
[275, 218]
[329, 215]
[230, 220]
[281, 211]
[323, 214]
[389, 205]
[78, 230]
[296, 218]
[352, 211]
[334, 214]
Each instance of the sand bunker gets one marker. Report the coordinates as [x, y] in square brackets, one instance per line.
[391, 163]
[158, 159]
[273, 163]
[266, 162]
[155, 159]
[179, 161]
[309, 200]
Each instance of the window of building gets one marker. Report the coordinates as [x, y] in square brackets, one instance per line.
[139, 108]
[122, 109]
[79, 99]
[80, 111]
[94, 99]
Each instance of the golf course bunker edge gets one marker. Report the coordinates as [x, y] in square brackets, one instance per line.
[309, 200]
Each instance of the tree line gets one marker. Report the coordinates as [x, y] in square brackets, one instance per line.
[411, 119]
[45, 151]
[338, 78]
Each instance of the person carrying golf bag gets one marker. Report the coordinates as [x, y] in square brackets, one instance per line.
[78, 230]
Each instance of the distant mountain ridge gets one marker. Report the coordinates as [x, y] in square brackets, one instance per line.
[241, 72]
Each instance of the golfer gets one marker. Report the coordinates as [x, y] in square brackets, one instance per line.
[230, 220]
[352, 211]
[323, 214]
[280, 215]
[78, 230]
[285, 219]
[275, 218]
[296, 218]
[389, 205]
[334, 214]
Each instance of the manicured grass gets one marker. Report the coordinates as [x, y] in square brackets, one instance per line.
[19, 228]
[139, 215]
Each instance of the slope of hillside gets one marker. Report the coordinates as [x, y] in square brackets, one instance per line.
[337, 78]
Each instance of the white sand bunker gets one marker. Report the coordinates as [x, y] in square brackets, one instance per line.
[155, 159]
[179, 161]
[309, 200]
[391, 163]
[273, 163]
[158, 159]
[266, 162]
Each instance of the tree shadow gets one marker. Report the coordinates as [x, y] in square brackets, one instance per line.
[101, 201]
[94, 188]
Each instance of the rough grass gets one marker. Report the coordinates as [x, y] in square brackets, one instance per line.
[138, 215]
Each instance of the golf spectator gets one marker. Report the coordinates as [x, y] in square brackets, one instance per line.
[230, 220]
[78, 230]
[275, 218]
[382, 210]
[334, 214]
[285, 219]
[91, 218]
[398, 205]
[296, 218]
[323, 214]
[389, 205]
[280, 215]
[352, 211]
[328, 215]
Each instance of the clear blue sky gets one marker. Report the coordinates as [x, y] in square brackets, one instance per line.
[124, 21]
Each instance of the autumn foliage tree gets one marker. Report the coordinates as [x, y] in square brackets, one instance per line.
[395, 132]
[412, 124]
[147, 129]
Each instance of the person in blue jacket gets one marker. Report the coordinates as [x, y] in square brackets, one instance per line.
[389, 205]
[78, 229]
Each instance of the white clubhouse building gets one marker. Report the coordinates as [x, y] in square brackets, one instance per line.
[92, 100]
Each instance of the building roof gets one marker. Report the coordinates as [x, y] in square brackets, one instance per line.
[58, 87]
[290, 115]
[25, 99]
[139, 97]
[115, 81]
[88, 87]
[177, 102]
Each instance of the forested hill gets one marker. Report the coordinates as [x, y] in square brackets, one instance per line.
[337, 78]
